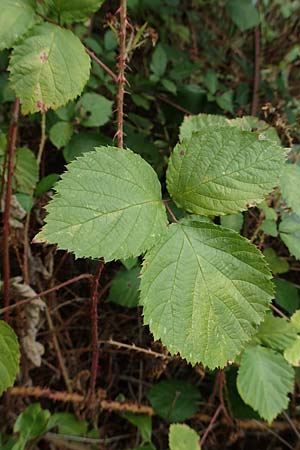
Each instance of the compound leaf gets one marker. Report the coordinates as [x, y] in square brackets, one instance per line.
[16, 17]
[204, 289]
[108, 204]
[9, 356]
[48, 68]
[264, 381]
[182, 437]
[67, 11]
[221, 172]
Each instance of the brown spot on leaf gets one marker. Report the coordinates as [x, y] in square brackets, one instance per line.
[43, 57]
[182, 152]
[41, 106]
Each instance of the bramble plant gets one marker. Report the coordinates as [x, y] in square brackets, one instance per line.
[205, 290]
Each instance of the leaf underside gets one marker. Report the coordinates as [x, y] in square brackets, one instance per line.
[223, 172]
[204, 290]
[264, 381]
[108, 204]
[48, 68]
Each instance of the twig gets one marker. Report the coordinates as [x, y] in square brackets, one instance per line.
[172, 215]
[165, 99]
[84, 276]
[85, 440]
[211, 423]
[133, 347]
[102, 65]
[43, 138]
[256, 81]
[11, 148]
[94, 320]
[62, 396]
[277, 310]
[293, 426]
[121, 72]
[26, 249]
[65, 397]
[58, 352]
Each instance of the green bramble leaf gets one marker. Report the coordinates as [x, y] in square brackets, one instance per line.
[108, 204]
[31, 424]
[222, 172]
[182, 437]
[46, 184]
[159, 61]
[290, 186]
[286, 295]
[216, 288]
[67, 423]
[260, 127]
[61, 133]
[276, 263]
[95, 108]
[82, 143]
[233, 221]
[16, 17]
[174, 400]
[193, 124]
[124, 288]
[67, 11]
[292, 353]
[48, 68]
[295, 319]
[26, 173]
[276, 332]
[289, 229]
[243, 13]
[9, 356]
[264, 381]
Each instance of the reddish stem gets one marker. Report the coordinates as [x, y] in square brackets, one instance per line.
[102, 65]
[83, 276]
[94, 319]
[121, 73]
[255, 99]
[11, 149]
[211, 423]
